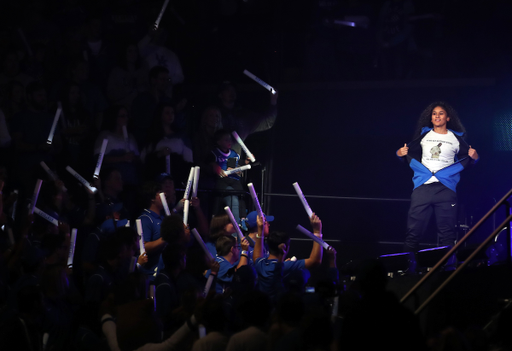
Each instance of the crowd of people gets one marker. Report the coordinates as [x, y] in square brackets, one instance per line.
[158, 290]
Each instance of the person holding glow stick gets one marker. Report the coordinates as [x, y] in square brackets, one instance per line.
[243, 121]
[279, 246]
[224, 158]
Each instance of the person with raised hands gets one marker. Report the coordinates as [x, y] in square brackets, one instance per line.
[271, 268]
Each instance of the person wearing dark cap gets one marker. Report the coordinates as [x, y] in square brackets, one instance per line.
[252, 226]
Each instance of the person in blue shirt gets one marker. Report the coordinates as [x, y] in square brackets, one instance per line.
[151, 219]
[270, 269]
[252, 225]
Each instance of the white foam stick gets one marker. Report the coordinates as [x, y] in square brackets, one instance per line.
[100, 159]
[345, 23]
[196, 181]
[259, 81]
[168, 164]
[293, 259]
[159, 18]
[313, 236]
[72, 247]
[54, 125]
[152, 295]
[244, 147]
[164, 203]
[126, 141]
[46, 336]
[208, 285]
[255, 200]
[201, 243]
[235, 224]
[142, 249]
[202, 331]
[81, 179]
[11, 236]
[189, 183]
[303, 199]
[238, 169]
[25, 42]
[46, 216]
[14, 205]
[127, 223]
[35, 196]
[133, 263]
[185, 211]
[335, 306]
[48, 171]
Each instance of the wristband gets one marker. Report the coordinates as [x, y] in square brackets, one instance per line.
[244, 252]
[245, 256]
[318, 235]
[259, 237]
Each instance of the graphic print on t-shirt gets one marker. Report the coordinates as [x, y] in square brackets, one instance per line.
[436, 150]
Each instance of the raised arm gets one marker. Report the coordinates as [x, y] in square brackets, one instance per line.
[315, 258]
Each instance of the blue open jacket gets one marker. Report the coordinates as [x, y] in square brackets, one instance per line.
[449, 175]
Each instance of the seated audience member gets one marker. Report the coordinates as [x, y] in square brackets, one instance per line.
[219, 226]
[271, 267]
[167, 149]
[230, 259]
[121, 153]
[128, 78]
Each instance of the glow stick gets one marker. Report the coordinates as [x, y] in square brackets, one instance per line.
[48, 171]
[335, 306]
[201, 243]
[54, 125]
[46, 216]
[196, 181]
[208, 285]
[234, 223]
[127, 223]
[259, 81]
[25, 42]
[256, 201]
[14, 205]
[159, 18]
[100, 159]
[125, 136]
[81, 179]
[72, 247]
[10, 235]
[242, 144]
[345, 23]
[236, 170]
[152, 295]
[189, 183]
[313, 236]
[46, 336]
[168, 164]
[202, 331]
[142, 249]
[164, 203]
[185, 212]
[303, 199]
[293, 259]
[35, 195]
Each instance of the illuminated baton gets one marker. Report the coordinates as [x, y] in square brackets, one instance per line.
[303, 199]
[185, 212]
[189, 183]
[46, 216]
[201, 243]
[35, 196]
[81, 179]
[54, 125]
[164, 203]
[234, 223]
[313, 236]
[196, 181]
[236, 170]
[242, 144]
[168, 164]
[100, 159]
[48, 171]
[72, 247]
[46, 336]
[127, 225]
[142, 249]
[259, 81]
[208, 285]
[159, 18]
[256, 201]
[345, 23]
[125, 136]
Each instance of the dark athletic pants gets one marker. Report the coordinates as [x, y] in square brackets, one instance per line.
[425, 199]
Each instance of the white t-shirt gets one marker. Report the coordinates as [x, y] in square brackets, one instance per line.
[177, 146]
[439, 151]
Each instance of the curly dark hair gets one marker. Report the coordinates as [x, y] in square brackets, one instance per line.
[425, 119]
